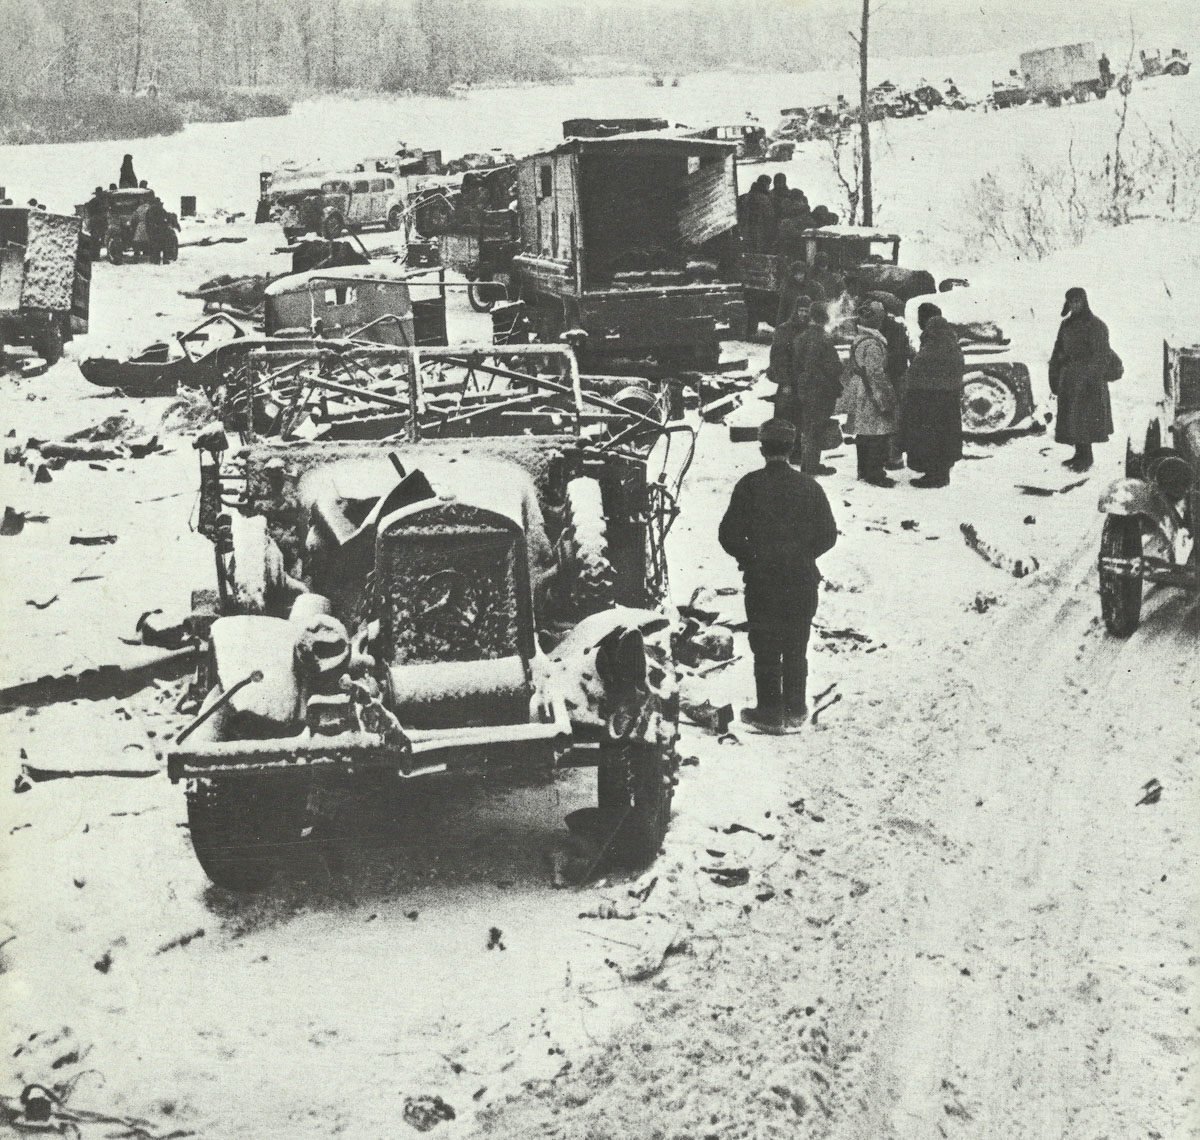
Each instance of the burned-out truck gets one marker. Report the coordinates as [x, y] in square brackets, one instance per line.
[633, 240]
[438, 561]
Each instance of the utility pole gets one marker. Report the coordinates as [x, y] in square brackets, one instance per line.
[864, 116]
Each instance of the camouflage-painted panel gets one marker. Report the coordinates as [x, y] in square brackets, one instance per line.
[50, 262]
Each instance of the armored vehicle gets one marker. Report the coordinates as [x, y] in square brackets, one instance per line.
[1152, 514]
[444, 561]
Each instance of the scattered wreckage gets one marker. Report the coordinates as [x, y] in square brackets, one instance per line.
[1152, 515]
[366, 303]
[45, 280]
[478, 584]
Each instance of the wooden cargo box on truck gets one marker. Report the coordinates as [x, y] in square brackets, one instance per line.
[633, 239]
[1070, 71]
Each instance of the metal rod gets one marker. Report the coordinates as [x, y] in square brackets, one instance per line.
[221, 701]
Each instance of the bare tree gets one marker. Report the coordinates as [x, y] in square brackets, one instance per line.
[845, 159]
[864, 113]
[139, 12]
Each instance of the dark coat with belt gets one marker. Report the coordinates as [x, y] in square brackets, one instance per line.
[1079, 368]
[778, 524]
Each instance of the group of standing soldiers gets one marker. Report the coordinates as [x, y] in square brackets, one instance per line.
[771, 213]
[900, 405]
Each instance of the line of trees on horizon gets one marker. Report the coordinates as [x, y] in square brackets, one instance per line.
[66, 48]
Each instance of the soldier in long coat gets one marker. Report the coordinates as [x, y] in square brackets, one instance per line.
[932, 417]
[778, 524]
[868, 399]
[1081, 366]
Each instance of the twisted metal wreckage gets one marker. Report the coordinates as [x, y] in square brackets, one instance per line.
[429, 560]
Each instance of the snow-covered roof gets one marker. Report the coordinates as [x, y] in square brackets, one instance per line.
[683, 137]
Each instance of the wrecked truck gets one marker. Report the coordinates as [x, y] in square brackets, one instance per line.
[632, 239]
[45, 280]
[1152, 514]
[482, 589]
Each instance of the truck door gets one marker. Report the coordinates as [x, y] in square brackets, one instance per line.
[360, 203]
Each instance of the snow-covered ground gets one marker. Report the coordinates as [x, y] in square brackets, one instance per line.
[956, 919]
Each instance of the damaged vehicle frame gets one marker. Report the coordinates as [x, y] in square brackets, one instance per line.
[481, 588]
[1152, 514]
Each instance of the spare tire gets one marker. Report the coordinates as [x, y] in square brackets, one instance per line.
[587, 578]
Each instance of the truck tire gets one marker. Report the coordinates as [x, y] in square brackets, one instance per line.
[483, 300]
[243, 829]
[48, 343]
[590, 578]
[332, 225]
[1120, 597]
[395, 219]
[635, 789]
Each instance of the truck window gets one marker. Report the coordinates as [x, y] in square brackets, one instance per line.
[340, 295]
[389, 184]
[376, 185]
[546, 174]
[361, 187]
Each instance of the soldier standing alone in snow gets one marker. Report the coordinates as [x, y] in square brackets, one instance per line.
[777, 525]
[1082, 366]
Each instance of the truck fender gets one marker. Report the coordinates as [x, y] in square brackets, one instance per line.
[569, 676]
[246, 644]
[1141, 499]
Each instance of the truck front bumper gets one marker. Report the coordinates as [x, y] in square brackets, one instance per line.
[429, 752]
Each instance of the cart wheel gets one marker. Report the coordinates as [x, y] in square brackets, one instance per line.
[332, 225]
[395, 218]
[1120, 597]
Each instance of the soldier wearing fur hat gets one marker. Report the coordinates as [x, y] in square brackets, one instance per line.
[777, 525]
[1082, 366]
[868, 398]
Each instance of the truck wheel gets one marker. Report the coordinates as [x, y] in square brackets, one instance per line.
[332, 225]
[115, 255]
[589, 578]
[1120, 597]
[635, 787]
[48, 343]
[242, 829]
[395, 218]
[483, 295]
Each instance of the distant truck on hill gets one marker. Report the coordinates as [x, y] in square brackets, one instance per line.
[1068, 72]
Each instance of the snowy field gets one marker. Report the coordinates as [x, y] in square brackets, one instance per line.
[956, 920]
